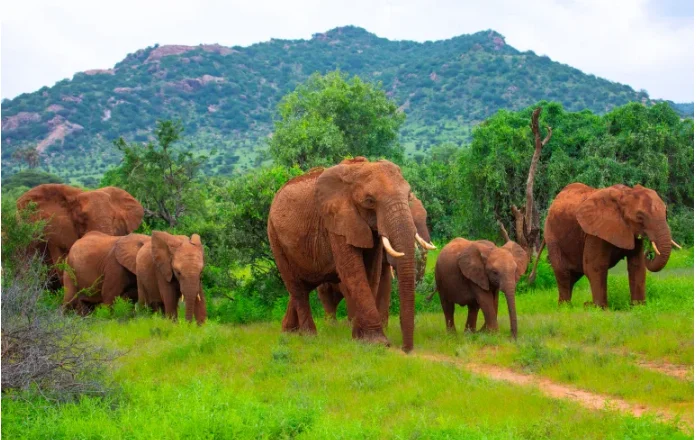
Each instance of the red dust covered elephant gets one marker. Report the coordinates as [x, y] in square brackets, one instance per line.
[333, 225]
[589, 230]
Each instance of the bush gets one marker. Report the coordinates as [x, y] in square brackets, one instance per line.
[41, 349]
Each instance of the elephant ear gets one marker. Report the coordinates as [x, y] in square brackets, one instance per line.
[520, 256]
[128, 212]
[472, 266]
[163, 247]
[601, 215]
[126, 250]
[337, 209]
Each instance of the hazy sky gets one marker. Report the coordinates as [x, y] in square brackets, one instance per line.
[648, 44]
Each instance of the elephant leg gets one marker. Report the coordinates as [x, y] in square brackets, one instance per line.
[487, 304]
[170, 298]
[56, 256]
[304, 310]
[328, 301]
[565, 280]
[448, 310]
[351, 270]
[636, 274]
[298, 316]
[290, 321]
[384, 294]
[115, 280]
[472, 317]
[595, 264]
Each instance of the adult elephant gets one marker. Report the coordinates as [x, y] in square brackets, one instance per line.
[333, 224]
[471, 273]
[102, 268]
[168, 268]
[589, 230]
[331, 296]
[70, 213]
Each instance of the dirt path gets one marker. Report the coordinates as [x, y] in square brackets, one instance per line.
[555, 390]
[683, 372]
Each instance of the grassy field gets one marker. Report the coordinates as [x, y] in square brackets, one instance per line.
[225, 381]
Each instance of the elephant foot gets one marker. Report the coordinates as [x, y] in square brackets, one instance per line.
[371, 336]
[593, 304]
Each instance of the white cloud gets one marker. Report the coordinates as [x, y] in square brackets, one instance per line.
[648, 45]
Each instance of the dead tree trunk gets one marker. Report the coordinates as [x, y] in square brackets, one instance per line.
[527, 225]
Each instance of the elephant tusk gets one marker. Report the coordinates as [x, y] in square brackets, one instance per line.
[424, 243]
[198, 297]
[390, 250]
[676, 245]
[655, 248]
[392, 271]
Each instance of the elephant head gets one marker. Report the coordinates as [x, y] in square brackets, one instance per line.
[619, 214]
[179, 260]
[366, 202]
[496, 269]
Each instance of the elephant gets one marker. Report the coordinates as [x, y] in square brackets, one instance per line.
[470, 273]
[169, 267]
[589, 230]
[102, 267]
[332, 225]
[71, 212]
[330, 294]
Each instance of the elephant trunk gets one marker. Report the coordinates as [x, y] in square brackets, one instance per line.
[512, 310]
[402, 233]
[190, 291]
[663, 240]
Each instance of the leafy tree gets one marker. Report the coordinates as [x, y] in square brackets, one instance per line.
[28, 156]
[161, 175]
[330, 117]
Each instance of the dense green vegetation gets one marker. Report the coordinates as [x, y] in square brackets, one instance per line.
[251, 381]
[226, 97]
[331, 118]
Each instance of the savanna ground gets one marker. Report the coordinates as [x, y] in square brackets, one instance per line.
[574, 372]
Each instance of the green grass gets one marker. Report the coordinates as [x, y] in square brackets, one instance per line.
[251, 381]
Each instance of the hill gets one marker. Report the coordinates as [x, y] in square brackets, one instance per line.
[226, 96]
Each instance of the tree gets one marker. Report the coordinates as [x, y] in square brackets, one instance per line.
[28, 155]
[162, 176]
[330, 117]
[527, 219]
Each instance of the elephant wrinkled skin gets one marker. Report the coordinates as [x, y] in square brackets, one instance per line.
[71, 212]
[589, 230]
[168, 268]
[330, 293]
[470, 273]
[102, 267]
[331, 225]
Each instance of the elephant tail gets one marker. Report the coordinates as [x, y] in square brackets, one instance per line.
[430, 297]
[532, 274]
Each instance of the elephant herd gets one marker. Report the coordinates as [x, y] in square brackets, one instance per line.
[346, 231]
[91, 231]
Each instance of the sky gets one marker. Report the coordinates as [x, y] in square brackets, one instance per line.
[647, 44]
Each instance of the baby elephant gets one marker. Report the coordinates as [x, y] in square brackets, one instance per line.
[168, 267]
[102, 267]
[470, 273]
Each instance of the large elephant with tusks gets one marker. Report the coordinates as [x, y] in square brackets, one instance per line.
[334, 224]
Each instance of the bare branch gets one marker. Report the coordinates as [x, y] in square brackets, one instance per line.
[548, 136]
[503, 231]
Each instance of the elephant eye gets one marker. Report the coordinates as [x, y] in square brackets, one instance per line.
[369, 201]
